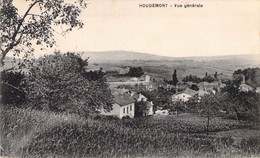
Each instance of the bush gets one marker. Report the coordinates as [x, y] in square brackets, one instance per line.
[60, 83]
[12, 86]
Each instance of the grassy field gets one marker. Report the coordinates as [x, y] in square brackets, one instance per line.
[31, 133]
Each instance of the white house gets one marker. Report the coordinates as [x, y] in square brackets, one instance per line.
[123, 106]
[245, 88]
[184, 96]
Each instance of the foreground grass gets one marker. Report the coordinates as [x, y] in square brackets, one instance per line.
[31, 133]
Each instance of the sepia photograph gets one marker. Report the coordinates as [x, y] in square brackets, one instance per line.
[130, 78]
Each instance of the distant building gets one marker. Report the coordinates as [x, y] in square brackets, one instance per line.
[245, 88]
[184, 96]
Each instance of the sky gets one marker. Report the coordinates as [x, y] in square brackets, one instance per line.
[220, 27]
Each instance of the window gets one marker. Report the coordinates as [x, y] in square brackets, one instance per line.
[127, 109]
[130, 107]
[123, 110]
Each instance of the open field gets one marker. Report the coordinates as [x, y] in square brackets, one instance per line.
[32, 133]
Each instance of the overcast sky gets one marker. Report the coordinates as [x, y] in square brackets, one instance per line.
[221, 27]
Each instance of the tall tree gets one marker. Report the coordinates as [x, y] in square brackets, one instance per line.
[36, 24]
[174, 78]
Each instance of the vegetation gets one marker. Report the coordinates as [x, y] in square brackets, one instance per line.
[209, 106]
[60, 83]
[196, 79]
[33, 133]
[12, 88]
[160, 98]
[174, 78]
[252, 76]
[21, 31]
[140, 108]
[135, 72]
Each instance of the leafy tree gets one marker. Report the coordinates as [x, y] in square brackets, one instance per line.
[216, 75]
[194, 87]
[245, 105]
[174, 78]
[59, 83]
[12, 86]
[160, 98]
[252, 76]
[192, 78]
[140, 107]
[209, 106]
[178, 106]
[209, 78]
[21, 31]
[95, 75]
[135, 72]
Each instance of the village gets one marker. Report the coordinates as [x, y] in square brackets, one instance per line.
[128, 91]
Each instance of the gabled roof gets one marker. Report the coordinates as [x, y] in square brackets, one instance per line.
[135, 96]
[123, 98]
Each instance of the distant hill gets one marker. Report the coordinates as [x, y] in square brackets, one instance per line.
[121, 55]
[130, 55]
[163, 67]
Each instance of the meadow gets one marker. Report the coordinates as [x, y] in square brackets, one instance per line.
[33, 133]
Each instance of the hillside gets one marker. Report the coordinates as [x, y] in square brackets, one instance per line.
[130, 55]
[162, 67]
[121, 55]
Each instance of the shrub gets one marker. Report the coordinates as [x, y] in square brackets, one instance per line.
[12, 86]
[60, 83]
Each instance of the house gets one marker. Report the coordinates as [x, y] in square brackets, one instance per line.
[123, 106]
[184, 96]
[245, 88]
[208, 86]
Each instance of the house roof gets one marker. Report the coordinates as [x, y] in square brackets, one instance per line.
[190, 92]
[123, 98]
[135, 96]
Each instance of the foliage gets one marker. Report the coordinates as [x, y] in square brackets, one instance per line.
[209, 106]
[135, 72]
[140, 108]
[208, 78]
[33, 133]
[245, 105]
[178, 106]
[94, 75]
[160, 98]
[192, 78]
[60, 83]
[12, 86]
[194, 87]
[174, 78]
[21, 31]
[196, 79]
[252, 76]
